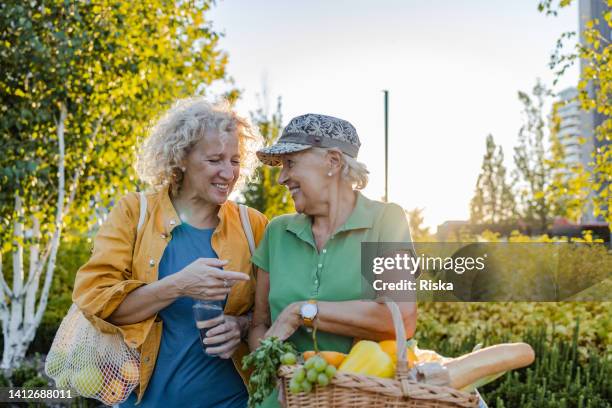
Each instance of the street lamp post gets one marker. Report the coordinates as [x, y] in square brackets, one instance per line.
[386, 92]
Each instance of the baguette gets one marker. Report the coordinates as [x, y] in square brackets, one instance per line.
[469, 368]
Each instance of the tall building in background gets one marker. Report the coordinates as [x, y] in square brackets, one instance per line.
[590, 10]
[572, 129]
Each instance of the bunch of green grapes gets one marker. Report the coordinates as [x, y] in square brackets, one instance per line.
[316, 371]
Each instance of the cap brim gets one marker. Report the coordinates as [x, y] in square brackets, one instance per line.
[271, 155]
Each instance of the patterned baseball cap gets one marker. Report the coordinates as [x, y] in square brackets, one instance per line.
[306, 131]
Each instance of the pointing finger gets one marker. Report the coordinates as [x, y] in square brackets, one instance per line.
[231, 275]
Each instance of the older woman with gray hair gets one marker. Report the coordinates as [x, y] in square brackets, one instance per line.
[149, 267]
[309, 264]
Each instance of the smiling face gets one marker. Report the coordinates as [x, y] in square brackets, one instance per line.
[212, 167]
[305, 175]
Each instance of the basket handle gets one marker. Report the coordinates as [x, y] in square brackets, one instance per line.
[401, 370]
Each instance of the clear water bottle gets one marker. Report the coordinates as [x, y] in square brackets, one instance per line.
[205, 310]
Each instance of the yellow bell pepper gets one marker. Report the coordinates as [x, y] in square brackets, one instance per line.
[367, 357]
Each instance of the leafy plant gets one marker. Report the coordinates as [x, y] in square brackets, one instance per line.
[471, 323]
[558, 378]
[564, 374]
[23, 374]
[265, 361]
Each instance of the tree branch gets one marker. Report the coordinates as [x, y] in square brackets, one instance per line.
[16, 309]
[31, 286]
[42, 303]
[78, 172]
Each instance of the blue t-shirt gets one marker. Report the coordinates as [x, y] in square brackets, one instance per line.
[184, 375]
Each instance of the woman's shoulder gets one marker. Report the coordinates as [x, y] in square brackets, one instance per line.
[389, 221]
[281, 222]
[126, 205]
[383, 210]
[132, 200]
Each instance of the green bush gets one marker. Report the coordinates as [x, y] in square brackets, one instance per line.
[35, 382]
[439, 322]
[4, 382]
[23, 374]
[557, 379]
[31, 375]
[561, 376]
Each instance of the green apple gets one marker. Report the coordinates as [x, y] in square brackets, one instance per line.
[63, 382]
[56, 362]
[88, 381]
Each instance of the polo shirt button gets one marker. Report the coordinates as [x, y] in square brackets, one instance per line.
[316, 281]
[151, 262]
[172, 222]
[164, 236]
[325, 251]
[147, 359]
[320, 265]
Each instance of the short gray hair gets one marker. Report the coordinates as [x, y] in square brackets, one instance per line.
[353, 170]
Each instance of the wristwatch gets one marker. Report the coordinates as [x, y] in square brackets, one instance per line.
[309, 311]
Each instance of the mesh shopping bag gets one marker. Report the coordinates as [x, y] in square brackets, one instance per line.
[92, 363]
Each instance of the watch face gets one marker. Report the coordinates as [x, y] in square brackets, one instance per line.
[309, 310]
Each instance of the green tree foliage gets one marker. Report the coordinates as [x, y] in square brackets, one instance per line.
[264, 193]
[595, 94]
[533, 174]
[566, 191]
[114, 66]
[81, 82]
[418, 231]
[493, 201]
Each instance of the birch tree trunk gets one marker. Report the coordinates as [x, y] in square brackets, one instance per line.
[21, 316]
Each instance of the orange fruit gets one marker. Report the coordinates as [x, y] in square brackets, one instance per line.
[389, 347]
[331, 357]
[115, 392]
[308, 354]
[411, 350]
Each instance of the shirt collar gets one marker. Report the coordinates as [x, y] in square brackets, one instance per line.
[361, 217]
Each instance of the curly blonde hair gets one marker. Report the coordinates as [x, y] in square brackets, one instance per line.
[181, 128]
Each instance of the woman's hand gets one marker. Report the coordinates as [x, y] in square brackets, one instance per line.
[287, 322]
[224, 335]
[203, 279]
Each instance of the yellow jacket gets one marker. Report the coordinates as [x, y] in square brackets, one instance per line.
[123, 260]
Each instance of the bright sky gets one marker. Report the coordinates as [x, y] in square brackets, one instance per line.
[453, 69]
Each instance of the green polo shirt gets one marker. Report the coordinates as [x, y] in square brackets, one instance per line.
[298, 271]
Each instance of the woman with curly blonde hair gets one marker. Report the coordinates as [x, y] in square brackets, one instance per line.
[150, 266]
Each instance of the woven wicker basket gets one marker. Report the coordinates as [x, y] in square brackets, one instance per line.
[361, 391]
